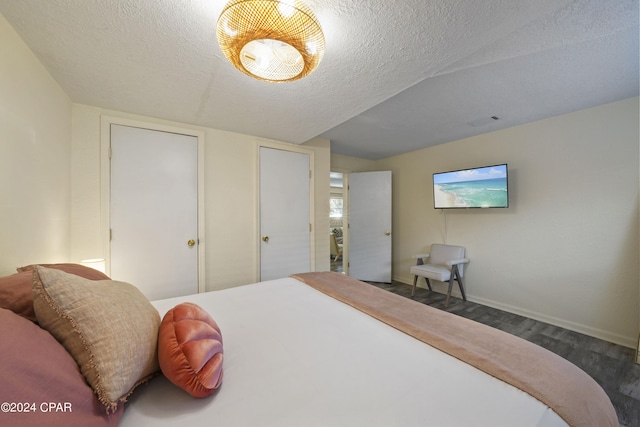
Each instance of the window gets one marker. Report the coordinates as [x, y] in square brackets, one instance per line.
[335, 207]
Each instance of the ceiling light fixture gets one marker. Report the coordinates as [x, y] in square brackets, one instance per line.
[272, 40]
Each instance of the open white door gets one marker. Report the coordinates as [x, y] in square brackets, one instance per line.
[285, 235]
[154, 211]
[370, 226]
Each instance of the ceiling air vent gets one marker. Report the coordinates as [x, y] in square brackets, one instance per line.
[483, 121]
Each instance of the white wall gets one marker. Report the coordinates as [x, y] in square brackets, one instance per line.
[35, 135]
[566, 250]
[231, 210]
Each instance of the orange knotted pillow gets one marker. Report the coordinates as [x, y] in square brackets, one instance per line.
[190, 349]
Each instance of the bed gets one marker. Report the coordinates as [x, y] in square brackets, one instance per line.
[321, 349]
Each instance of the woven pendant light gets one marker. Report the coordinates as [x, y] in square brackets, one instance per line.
[271, 40]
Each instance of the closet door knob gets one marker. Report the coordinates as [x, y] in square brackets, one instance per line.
[265, 238]
[191, 243]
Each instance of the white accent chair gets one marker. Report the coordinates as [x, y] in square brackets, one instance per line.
[336, 248]
[445, 263]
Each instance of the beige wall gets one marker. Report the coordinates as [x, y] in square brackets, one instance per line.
[566, 250]
[321, 147]
[35, 135]
[50, 178]
[231, 211]
[340, 163]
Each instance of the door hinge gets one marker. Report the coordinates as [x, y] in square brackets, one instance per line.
[110, 234]
[109, 153]
[310, 173]
[310, 228]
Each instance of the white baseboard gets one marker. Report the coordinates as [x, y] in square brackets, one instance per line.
[572, 326]
[630, 342]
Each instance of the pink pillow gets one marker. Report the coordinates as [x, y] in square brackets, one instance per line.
[16, 294]
[77, 269]
[15, 290]
[190, 349]
[37, 372]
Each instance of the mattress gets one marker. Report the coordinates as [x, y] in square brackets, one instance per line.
[294, 356]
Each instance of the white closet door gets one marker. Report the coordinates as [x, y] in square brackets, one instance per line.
[154, 211]
[285, 238]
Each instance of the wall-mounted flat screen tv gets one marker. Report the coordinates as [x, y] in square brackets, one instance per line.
[483, 187]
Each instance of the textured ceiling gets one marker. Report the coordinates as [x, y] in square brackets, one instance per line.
[397, 75]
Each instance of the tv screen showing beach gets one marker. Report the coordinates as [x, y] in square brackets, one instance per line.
[484, 187]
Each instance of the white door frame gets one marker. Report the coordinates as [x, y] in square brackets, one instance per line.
[345, 218]
[105, 184]
[295, 149]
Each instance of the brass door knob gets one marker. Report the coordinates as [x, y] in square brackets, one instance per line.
[191, 242]
[387, 233]
[265, 238]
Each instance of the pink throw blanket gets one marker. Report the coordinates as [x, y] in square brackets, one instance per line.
[554, 381]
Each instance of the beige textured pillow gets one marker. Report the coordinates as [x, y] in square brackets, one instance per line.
[109, 328]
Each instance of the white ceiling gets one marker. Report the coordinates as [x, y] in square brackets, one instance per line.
[397, 75]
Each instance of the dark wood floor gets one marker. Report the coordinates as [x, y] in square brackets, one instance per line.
[609, 364]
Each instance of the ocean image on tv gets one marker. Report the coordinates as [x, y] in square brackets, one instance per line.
[472, 188]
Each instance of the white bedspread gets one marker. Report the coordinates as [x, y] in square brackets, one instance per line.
[296, 357]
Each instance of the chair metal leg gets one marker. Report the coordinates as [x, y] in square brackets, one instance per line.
[428, 283]
[460, 284]
[446, 303]
[415, 281]
[455, 275]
